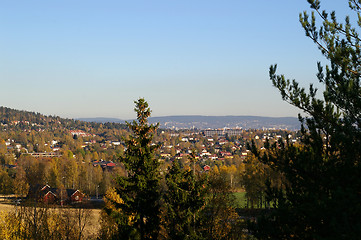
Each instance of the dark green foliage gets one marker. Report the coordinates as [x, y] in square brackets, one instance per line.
[184, 200]
[321, 196]
[140, 189]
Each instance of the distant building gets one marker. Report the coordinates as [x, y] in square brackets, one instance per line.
[45, 154]
[105, 165]
[79, 133]
[222, 132]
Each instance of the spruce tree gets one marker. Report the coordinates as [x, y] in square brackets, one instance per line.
[320, 198]
[184, 200]
[137, 212]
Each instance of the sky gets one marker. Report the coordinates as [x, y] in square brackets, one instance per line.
[91, 58]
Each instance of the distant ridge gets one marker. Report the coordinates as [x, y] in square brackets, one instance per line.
[102, 120]
[213, 122]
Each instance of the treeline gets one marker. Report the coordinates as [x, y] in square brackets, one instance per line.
[64, 172]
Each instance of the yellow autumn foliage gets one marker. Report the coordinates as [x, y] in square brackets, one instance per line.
[112, 197]
[10, 226]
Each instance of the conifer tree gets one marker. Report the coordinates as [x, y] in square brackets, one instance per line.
[320, 198]
[184, 200]
[138, 210]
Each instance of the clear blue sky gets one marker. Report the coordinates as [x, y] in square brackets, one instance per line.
[88, 58]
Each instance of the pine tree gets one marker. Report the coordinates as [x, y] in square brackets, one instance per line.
[320, 198]
[138, 210]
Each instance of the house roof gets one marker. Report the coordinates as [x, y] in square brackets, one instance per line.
[70, 192]
[39, 191]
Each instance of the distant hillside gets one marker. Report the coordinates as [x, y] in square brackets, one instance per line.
[204, 122]
[26, 120]
[102, 120]
[245, 122]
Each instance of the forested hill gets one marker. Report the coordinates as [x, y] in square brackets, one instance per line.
[18, 119]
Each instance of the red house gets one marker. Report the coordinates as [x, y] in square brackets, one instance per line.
[74, 196]
[49, 195]
[49, 198]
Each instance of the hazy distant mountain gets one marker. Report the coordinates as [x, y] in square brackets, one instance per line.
[204, 122]
[245, 122]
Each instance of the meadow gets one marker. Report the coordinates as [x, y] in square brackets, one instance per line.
[93, 220]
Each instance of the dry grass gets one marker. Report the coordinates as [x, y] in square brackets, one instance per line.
[6, 207]
[91, 229]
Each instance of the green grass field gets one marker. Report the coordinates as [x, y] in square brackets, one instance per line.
[241, 201]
